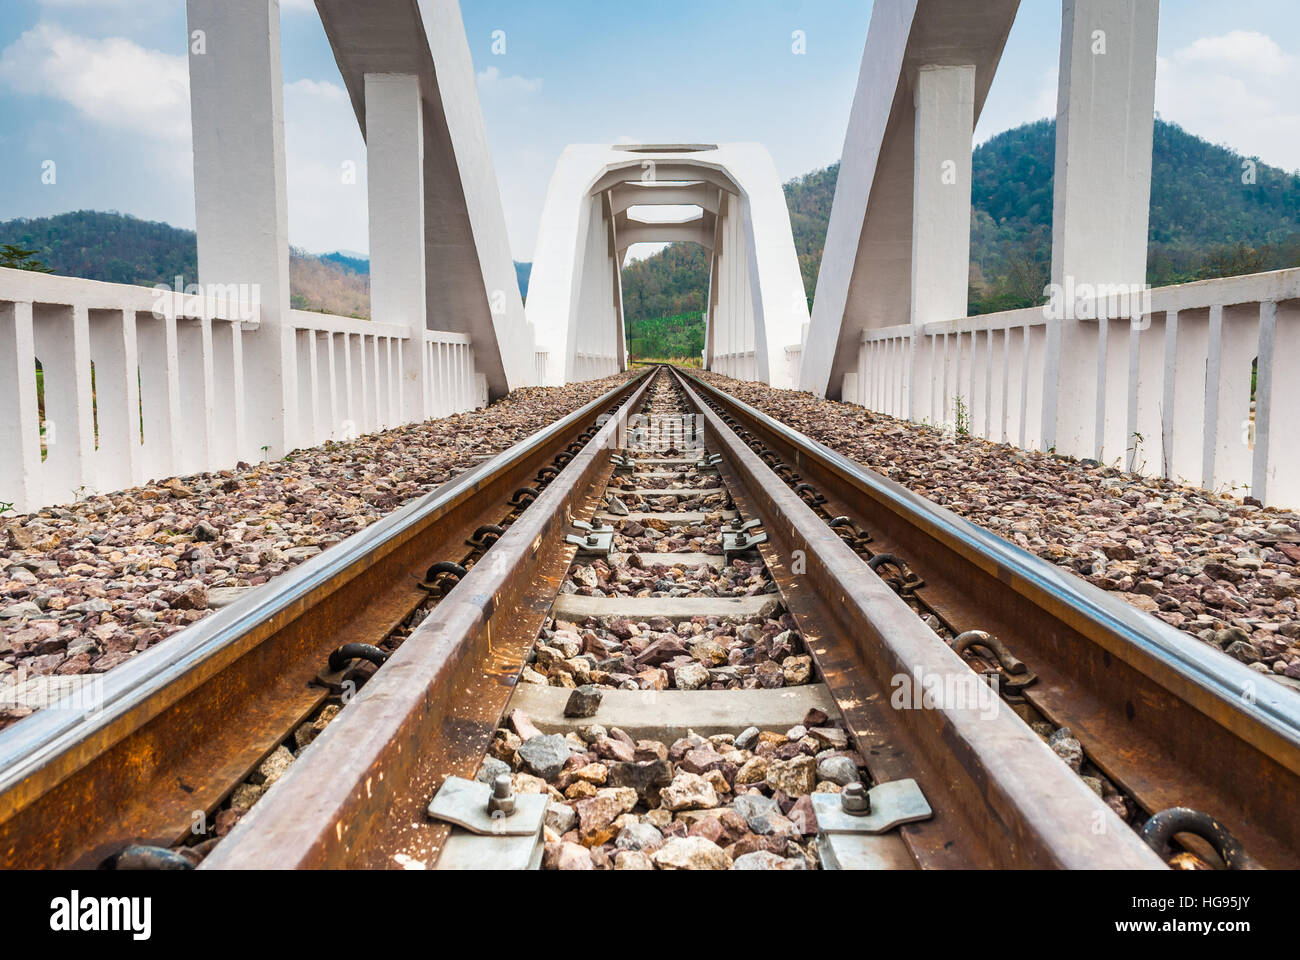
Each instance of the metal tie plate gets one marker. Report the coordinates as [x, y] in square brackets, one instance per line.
[488, 833]
[851, 826]
[892, 804]
[597, 541]
[465, 803]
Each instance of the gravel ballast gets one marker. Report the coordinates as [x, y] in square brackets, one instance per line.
[735, 801]
[85, 587]
[1220, 569]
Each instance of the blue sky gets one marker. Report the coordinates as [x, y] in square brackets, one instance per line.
[99, 87]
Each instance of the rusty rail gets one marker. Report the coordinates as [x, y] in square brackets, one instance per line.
[1171, 721]
[1001, 797]
[359, 796]
[184, 723]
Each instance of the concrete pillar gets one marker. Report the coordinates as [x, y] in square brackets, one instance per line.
[241, 207]
[395, 171]
[941, 193]
[1104, 128]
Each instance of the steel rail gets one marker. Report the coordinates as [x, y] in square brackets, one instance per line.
[358, 796]
[1002, 798]
[1170, 720]
[172, 731]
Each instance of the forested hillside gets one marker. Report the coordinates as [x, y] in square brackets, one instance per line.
[107, 246]
[119, 248]
[1206, 219]
[672, 282]
[664, 338]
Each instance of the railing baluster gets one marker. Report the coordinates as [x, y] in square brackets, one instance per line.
[117, 397]
[20, 436]
[160, 401]
[63, 345]
[1146, 389]
[1276, 468]
[1186, 410]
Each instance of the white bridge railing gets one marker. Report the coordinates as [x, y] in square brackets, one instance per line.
[349, 375]
[738, 366]
[136, 383]
[1178, 391]
[592, 366]
[793, 361]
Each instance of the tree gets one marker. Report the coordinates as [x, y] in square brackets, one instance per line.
[1234, 261]
[17, 258]
[1028, 272]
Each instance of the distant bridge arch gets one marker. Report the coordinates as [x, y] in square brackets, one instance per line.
[757, 308]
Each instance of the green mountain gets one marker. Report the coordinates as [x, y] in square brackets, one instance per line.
[107, 246]
[1209, 218]
[1205, 222]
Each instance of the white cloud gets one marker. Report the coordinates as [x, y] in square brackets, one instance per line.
[1237, 89]
[1241, 50]
[113, 82]
[321, 135]
[492, 82]
[119, 85]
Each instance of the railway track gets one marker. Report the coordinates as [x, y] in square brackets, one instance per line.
[679, 636]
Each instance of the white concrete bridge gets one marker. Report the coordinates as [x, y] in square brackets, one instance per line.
[1158, 381]
[736, 211]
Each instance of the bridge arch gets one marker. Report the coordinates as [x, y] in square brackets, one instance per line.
[757, 309]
